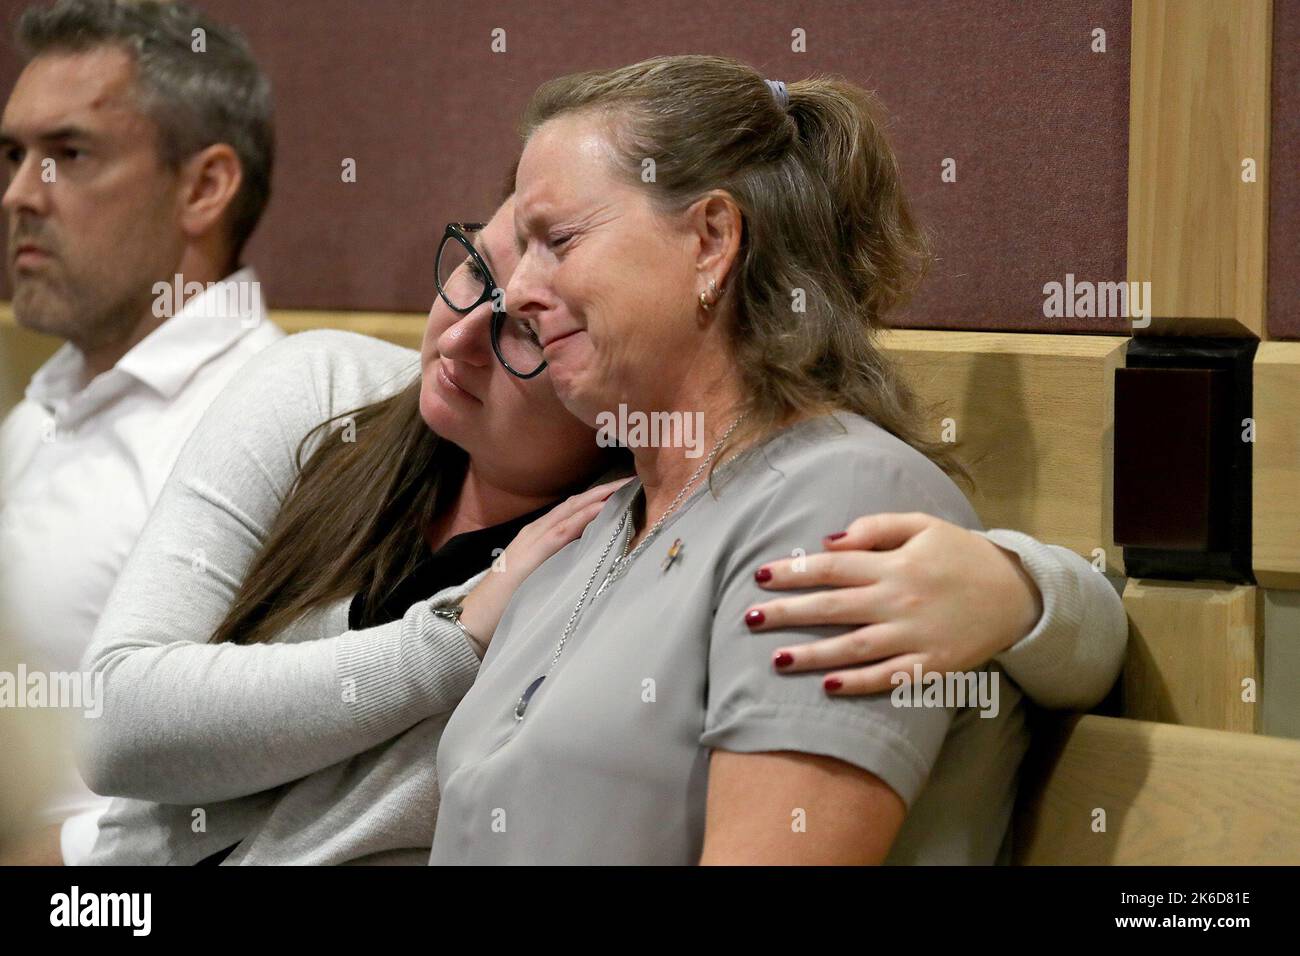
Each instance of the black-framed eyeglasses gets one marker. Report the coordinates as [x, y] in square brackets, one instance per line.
[465, 282]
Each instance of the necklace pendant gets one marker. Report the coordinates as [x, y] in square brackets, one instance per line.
[527, 695]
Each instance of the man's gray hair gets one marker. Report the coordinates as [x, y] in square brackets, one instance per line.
[195, 79]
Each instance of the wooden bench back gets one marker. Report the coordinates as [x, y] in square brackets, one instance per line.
[1171, 795]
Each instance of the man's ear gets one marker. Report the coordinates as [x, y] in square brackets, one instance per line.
[717, 223]
[209, 182]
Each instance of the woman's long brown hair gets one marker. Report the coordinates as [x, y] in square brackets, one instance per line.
[354, 519]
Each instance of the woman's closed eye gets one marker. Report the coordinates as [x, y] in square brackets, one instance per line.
[526, 331]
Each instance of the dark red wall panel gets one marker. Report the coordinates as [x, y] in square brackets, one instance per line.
[1284, 184]
[1037, 123]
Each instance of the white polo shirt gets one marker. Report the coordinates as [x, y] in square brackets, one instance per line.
[82, 467]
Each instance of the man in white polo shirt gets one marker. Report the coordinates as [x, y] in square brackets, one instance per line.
[137, 148]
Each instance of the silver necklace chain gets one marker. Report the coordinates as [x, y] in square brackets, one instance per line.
[626, 559]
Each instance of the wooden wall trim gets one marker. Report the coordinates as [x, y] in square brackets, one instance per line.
[1033, 413]
[1033, 416]
[1199, 106]
[1191, 646]
[1275, 471]
[1047, 468]
[402, 328]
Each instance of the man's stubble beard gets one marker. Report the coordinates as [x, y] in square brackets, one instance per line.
[77, 312]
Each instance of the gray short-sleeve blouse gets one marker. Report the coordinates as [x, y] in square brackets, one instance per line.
[610, 761]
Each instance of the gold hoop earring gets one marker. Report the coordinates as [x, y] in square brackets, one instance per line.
[705, 304]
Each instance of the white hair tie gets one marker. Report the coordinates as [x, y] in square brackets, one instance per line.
[778, 92]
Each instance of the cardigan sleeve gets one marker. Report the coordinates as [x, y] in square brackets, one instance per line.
[1073, 655]
[184, 720]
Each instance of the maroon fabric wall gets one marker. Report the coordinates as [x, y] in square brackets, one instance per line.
[1037, 122]
[1284, 184]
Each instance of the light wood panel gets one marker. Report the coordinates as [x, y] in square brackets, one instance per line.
[1276, 467]
[401, 328]
[1171, 796]
[1033, 417]
[1191, 646]
[1199, 107]
[21, 354]
[1033, 413]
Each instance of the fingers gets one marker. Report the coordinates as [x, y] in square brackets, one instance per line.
[602, 491]
[570, 528]
[580, 502]
[876, 679]
[847, 605]
[881, 532]
[595, 493]
[866, 645]
[578, 511]
[822, 570]
[854, 557]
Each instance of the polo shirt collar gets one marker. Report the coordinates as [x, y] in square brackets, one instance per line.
[164, 360]
[208, 324]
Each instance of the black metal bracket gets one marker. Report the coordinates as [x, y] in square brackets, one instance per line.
[1182, 483]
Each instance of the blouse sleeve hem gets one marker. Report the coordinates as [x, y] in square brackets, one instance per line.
[872, 747]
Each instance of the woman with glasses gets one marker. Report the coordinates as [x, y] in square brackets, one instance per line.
[465, 283]
[312, 596]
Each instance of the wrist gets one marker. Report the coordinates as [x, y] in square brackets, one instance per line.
[482, 608]
[1030, 598]
[452, 614]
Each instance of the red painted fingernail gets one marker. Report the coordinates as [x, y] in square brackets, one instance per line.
[754, 618]
[784, 659]
[763, 574]
[836, 536]
[832, 683]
